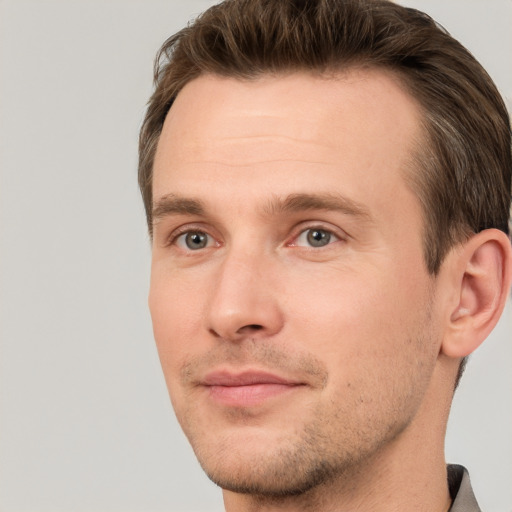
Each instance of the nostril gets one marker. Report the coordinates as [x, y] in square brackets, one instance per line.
[250, 327]
[242, 332]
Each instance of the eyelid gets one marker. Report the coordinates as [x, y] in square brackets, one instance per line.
[181, 241]
[301, 228]
[341, 235]
[171, 238]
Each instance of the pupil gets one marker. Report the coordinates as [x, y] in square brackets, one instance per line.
[318, 237]
[195, 240]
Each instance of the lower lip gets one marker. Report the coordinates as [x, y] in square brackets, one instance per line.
[250, 395]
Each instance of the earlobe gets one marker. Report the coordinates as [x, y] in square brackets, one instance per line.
[484, 267]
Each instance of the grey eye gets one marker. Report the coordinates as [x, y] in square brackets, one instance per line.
[318, 237]
[194, 240]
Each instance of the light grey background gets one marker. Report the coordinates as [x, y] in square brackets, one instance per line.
[86, 424]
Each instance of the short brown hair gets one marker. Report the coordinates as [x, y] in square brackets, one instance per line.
[463, 172]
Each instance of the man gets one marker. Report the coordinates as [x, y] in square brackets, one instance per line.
[327, 185]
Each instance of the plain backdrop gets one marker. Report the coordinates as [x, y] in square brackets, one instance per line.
[86, 424]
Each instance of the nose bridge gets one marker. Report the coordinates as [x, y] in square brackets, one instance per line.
[244, 301]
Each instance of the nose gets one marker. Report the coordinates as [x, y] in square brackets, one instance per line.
[244, 303]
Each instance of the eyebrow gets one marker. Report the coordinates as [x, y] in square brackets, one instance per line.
[172, 204]
[323, 201]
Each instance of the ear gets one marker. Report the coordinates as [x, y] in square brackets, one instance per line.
[482, 272]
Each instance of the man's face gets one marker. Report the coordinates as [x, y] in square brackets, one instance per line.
[290, 301]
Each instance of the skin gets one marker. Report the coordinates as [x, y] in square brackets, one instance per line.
[353, 329]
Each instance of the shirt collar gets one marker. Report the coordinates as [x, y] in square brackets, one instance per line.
[460, 490]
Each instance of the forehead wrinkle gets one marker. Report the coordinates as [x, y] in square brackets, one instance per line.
[255, 149]
[301, 138]
[261, 160]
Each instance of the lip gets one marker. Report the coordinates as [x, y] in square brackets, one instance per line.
[248, 388]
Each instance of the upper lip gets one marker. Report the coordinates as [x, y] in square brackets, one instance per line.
[245, 378]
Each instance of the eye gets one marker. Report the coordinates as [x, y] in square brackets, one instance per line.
[315, 237]
[194, 240]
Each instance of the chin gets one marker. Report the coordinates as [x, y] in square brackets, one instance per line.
[274, 475]
[272, 463]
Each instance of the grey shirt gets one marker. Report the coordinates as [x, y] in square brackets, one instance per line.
[460, 490]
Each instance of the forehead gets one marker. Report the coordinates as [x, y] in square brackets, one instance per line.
[354, 129]
[365, 104]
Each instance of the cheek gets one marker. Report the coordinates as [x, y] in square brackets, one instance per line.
[356, 319]
[376, 341]
[176, 315]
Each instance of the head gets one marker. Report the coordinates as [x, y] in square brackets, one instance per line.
[322, 290]
[466, 140]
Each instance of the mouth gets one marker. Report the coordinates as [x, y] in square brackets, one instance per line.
[246, 389]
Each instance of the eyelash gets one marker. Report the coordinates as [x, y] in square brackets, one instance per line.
[184, 230]
[311, 229]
